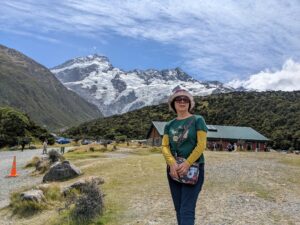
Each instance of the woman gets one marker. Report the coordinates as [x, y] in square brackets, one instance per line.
[191, 131]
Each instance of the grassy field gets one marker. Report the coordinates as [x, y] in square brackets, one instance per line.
[239, 188]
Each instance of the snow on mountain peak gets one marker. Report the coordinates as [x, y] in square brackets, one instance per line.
[115, 91]
[102, 63]
[79, 68]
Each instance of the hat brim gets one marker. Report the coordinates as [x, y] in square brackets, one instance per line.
[181, 93]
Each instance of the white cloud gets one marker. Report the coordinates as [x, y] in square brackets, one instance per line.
[217, 40]
[29, 34]
[286, 79]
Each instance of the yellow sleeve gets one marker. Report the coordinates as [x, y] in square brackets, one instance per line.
[166, 151]
[200, 147]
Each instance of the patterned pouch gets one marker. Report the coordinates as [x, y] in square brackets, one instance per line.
[192, 175]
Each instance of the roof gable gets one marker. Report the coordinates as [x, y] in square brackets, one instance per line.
[160, 126]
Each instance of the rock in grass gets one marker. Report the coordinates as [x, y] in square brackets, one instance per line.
[32, 195]
[61, 171]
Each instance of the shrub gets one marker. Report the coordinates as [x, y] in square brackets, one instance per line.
[42, 165]
[33, 162]
[291, 149]
[54, 156]
[120, 138]
[88, 205]
[84, 200]
[49, 137]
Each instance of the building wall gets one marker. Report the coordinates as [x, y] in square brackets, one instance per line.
[154, 138]
[224, 145]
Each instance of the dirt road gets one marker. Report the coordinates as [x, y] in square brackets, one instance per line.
[24, 179]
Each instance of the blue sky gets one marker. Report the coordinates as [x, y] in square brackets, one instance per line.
[226, 40]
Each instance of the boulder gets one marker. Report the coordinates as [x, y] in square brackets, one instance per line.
[32, 195]
[61, 171]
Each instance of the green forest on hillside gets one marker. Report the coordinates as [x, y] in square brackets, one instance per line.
[17, 127]
[275, 114]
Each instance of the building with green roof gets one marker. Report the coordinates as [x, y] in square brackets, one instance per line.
[218, 137]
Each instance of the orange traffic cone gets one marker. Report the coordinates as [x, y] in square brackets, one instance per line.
[13, 171]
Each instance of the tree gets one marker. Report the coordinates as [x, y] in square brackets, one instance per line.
[16, 127]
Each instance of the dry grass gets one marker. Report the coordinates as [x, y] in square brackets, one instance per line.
[32, 162]
[127, 182]
[291, 161]
[93, 147]
[136, 189]
[258, 190]
[88, 151]
[52, 192]
[25, 209]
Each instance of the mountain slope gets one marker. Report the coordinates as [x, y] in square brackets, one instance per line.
[32, 88]
[115, 91]
[274, 114]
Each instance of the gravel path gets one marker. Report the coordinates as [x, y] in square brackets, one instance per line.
[254, 191]
[23, 180]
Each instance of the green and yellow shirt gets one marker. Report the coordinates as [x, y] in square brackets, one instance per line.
[193, 143]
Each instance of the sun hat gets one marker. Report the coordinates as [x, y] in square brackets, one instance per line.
[180, 92]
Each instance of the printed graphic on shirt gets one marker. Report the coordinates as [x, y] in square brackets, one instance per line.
[184, 148]
[176, 133]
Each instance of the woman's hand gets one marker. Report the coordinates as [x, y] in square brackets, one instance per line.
[183, 169]
[173, 170]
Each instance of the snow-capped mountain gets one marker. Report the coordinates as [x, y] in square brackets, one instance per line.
[115, 91]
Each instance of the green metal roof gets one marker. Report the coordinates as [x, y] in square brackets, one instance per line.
[234, 132]
[160, 126]
[223, 132]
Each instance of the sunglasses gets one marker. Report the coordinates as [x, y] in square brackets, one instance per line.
[182, 99]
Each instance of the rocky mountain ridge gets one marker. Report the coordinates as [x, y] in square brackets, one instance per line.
[115, 91]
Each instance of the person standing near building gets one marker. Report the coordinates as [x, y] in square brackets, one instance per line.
[215, 146]
[45, 144]
[191, 130]
[235, 147]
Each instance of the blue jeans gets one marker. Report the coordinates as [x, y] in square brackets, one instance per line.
[185, 198]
